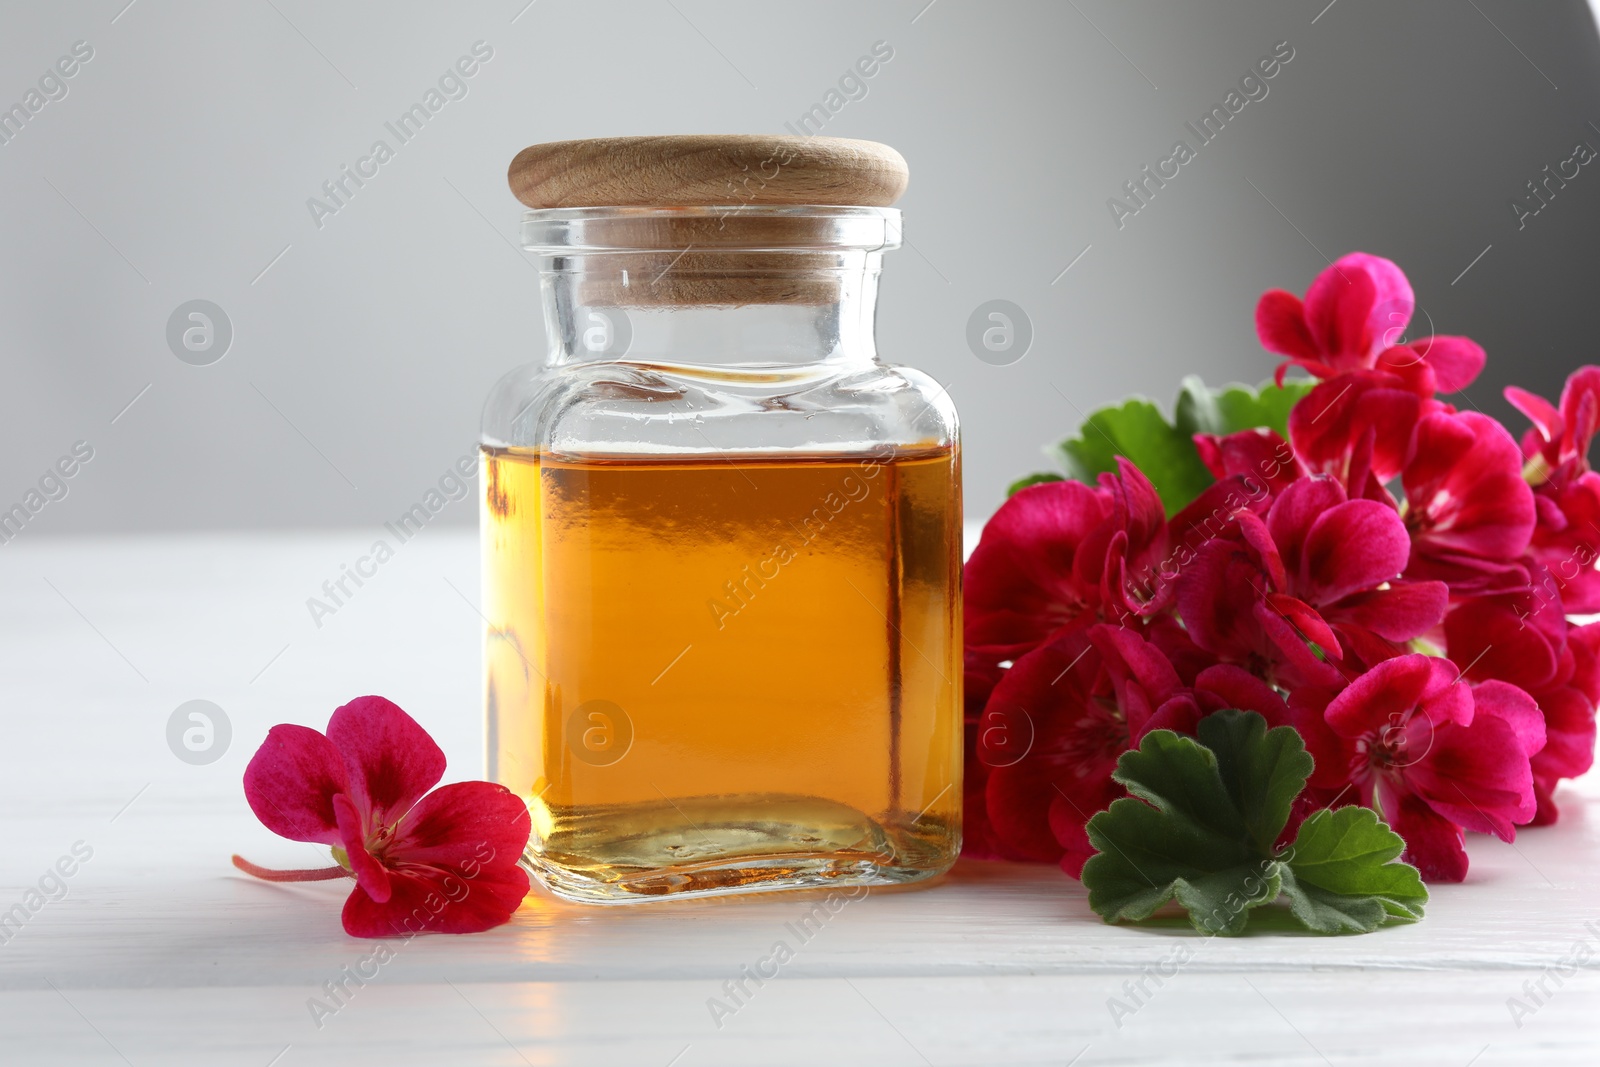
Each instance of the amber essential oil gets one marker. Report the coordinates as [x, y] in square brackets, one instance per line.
[725, 672]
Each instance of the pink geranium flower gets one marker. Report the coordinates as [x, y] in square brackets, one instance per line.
[1357, 429]
[1260, 456]
[1057, 558]
[1051, 734]
[1292, 591]
[443, 862]
[1435, 755]
[1566, 537]
[1469, 511]
[1353, 318]
[1568, 704]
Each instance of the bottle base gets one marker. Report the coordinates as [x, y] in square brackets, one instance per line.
[713, 846]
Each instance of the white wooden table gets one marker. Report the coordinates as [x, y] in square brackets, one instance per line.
[161, 954]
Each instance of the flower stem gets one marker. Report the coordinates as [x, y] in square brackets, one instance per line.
[313, 874]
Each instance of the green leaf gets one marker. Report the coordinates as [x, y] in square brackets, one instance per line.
[1235, 407]
[1342, 874]
[1164, 450]
[1202, 829]
[1137, 430]
[1263, 769]
[1033, 479]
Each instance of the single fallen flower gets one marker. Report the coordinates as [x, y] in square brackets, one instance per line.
[439, 862]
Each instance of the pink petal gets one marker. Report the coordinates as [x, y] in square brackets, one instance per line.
[1569, 720]
[1329, 423]
[1477, 776]
[1211, 514]
[1455, 361]
[1355, 546]
[1515, 708]
[1181, 714]
[1545, 416]
[1401, 612]
[1281, 325]
[1434, 844]
[370, 874]
[1408, 364]
[1260, 456]
[291, 782]
[1217, 593]
[1258, 537]
[452, 865]
[1143, 677]
[1019, 584]
[1296, 510]
[1072, 746]
[1580, 411]
[1235, 687]
[389, 758]
[1333, 756]
[460, 824]
[1507, 638]
[1068, 823]
[438, 901]
[1465, 489]
[1357, 307]
[1382, 697]
[1290, 641]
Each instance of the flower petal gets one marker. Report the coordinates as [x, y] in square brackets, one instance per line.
[1259, 456]
[452, 865]
[1580, 411]
[1332, 754]
[1296, 510]
[1399, 613]
[1509, 637]
[1281, 326]
[370, 874]
[1357, 307]
[438, 901]
[1477, 776]
[291, 782]
[1455, 361]
[1433, 843]
[390, 759]
[1229, 686]
[1515, 708]
[1355, 546]
[1354, 412]
[461, 825]
[1069, 745]
[1545, 416]
[1464, 488]
[1382, 697]
[1020, 583]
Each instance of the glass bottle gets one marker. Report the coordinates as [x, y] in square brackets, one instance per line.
[721, 558]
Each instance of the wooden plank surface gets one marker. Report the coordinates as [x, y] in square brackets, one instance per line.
[159, 953]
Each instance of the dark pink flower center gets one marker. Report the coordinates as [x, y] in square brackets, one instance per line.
[1098, 735]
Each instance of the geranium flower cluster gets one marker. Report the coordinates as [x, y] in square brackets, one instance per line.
[1394, 581]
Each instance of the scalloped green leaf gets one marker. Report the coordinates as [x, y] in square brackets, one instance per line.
[1164, 448]
[1235, 406]
[1343, 874]
[1137, 430]
[1202, 827]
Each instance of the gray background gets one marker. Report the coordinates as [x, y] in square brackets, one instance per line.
[179, 164]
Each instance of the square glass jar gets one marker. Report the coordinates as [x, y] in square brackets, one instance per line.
[722, 552]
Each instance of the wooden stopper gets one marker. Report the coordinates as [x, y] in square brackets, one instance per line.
[709, 170]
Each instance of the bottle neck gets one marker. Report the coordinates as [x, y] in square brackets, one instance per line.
[747, 310]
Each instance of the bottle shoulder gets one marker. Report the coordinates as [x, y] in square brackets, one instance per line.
[625, 406]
